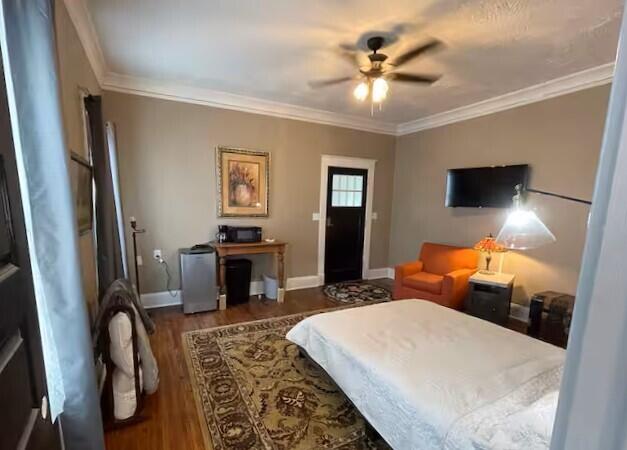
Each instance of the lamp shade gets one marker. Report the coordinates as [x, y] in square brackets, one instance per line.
[523, 230]
[489, 244]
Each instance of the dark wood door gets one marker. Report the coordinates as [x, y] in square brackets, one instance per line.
[24, 418]
[346, 218]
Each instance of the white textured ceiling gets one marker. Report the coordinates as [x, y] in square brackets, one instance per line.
[270, 49]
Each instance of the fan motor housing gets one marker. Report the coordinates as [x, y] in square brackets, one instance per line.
[375, 43]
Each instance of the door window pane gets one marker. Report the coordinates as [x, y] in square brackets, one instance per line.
[342, 198]
[350, 198]
[347, 191]
[357, 199]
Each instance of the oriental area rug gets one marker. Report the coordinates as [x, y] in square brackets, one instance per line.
[356, 292]
[254, 390]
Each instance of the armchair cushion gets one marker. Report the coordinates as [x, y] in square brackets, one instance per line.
[404, 270]
[457, 279]
[424, 281]
[442, 259]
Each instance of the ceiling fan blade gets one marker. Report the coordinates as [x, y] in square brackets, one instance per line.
[350, 57]
[408, 56]
[323, 83]
[413, 78]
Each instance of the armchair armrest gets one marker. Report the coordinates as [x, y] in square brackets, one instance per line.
[404, 270]
[457, 280]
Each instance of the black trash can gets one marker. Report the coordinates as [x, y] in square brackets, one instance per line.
[238, 280]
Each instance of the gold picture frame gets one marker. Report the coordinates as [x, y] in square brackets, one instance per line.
[243, 182]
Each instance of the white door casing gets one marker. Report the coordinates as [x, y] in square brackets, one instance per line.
[353, 163]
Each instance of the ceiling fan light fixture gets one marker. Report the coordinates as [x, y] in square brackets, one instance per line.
[380, 89]
[361, 91]
[374, 77]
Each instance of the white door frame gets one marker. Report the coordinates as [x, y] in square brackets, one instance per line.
[591, 411]
[353, 163]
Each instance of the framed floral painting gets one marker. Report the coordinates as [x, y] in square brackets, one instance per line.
[243, 182]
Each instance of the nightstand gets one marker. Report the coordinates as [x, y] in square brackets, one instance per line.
[490, 295]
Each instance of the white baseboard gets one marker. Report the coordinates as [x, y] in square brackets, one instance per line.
[310, 281]
[256, 287]
[161, 299]
[383, 272]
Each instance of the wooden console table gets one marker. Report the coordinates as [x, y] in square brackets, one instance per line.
[249, 248]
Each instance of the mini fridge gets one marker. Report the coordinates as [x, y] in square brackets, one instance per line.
[199, 289]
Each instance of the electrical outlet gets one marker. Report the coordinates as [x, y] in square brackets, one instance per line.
[156, 254]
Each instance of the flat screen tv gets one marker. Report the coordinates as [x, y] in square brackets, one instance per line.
[484, 187]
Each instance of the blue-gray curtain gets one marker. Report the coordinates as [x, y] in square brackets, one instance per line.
[29, 56]
[108, 247]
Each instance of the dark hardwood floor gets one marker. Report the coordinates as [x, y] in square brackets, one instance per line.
[171, 420]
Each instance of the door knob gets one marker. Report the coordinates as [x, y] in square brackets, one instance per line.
[329, 224]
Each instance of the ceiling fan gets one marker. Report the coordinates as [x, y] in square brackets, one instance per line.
[374, 78]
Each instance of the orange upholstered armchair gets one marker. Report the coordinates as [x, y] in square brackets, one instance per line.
[440, 275]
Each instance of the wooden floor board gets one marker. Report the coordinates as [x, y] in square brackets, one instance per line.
[172, 422]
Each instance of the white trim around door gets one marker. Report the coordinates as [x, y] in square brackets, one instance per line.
[353, 163]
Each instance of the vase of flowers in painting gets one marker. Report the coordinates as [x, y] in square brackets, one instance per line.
[242, 195]
[242, 184]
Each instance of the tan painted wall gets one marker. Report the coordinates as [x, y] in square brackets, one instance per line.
[166, 156]
[75, 71]
[166, 152]
[560, 138]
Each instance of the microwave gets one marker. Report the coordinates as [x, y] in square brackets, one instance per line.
[243, 234]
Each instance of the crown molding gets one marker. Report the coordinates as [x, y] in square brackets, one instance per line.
[81, 18]
[217, 99]
[585, 79]
[595, 76]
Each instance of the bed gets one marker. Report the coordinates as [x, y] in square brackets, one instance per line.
[428, 377]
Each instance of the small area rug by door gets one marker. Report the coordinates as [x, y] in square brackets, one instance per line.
[255, 391]
[356, 292]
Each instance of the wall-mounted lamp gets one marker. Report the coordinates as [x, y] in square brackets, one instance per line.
[523, 229]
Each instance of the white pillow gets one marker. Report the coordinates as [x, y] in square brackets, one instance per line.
[121, 343]
[124, 398]
[121, 349]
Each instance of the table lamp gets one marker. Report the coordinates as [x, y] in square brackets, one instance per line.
[488, 245]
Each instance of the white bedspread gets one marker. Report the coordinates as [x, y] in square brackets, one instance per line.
[427, 377]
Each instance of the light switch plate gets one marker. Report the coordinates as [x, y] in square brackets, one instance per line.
[375, 216]
[315, 217]
[140, 260]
